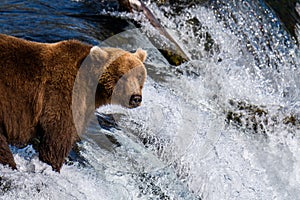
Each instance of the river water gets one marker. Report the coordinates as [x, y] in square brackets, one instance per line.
[223, 126]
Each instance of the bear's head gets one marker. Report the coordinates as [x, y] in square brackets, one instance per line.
[122, 79]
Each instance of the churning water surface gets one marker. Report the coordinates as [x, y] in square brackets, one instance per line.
[224, 125]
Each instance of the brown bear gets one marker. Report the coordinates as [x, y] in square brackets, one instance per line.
[37, 92]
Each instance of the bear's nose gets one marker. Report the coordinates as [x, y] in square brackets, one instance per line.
[135, 101]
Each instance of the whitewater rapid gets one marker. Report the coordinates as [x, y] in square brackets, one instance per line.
[178, 145]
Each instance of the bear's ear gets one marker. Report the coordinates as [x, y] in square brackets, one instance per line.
[98, 54]
[141, 54]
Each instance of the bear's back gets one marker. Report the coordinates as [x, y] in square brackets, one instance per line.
[30, 57]
[29, 73]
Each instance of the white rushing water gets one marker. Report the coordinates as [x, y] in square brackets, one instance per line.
[178, 145]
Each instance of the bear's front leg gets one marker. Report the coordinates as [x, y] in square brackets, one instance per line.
[57, 140]
[6, 157]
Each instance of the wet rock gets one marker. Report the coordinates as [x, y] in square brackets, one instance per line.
[172, 57]
[247, 116]
[176, 58]
[255, 119]
[287, 13]
[5, 185]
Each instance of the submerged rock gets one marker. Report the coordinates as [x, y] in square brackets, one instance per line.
[5, 185]
[256, 118]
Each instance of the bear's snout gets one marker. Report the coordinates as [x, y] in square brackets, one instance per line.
[135, 101]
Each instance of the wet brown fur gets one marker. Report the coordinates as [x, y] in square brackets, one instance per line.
[36, 82]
